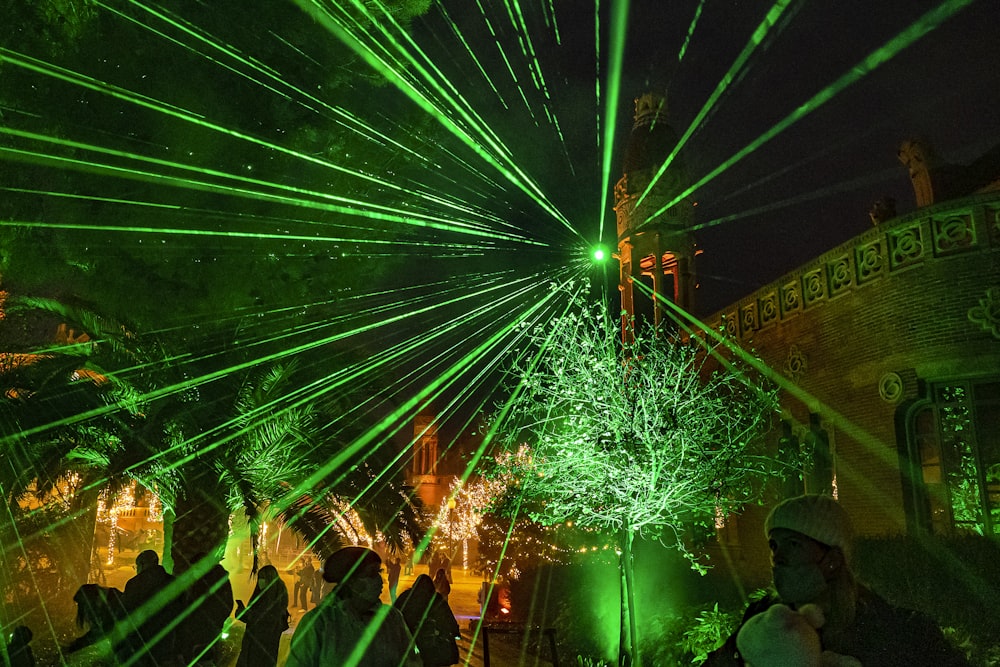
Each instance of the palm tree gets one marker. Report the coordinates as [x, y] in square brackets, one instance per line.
[238, 435]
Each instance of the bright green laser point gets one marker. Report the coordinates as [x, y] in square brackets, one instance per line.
[599, 254]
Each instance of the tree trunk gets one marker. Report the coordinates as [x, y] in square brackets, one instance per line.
[79, 535]
[628, 601]
[166, 558]
[201, 523]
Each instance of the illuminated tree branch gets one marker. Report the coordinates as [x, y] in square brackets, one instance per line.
[641, 438]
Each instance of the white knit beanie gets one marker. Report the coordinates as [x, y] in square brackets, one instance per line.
[819, 517]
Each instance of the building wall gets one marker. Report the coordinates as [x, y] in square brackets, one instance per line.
[862, 328]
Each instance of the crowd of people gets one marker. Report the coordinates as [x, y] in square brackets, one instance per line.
[353, 627]
[817, 614]
[163, 620]
[158, 619]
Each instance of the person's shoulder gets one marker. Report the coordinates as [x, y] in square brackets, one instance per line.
[909, 628]
[760, 605]
[871, 603]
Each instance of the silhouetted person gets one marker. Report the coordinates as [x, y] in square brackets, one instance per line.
[431, 622]
[18, 648]
[152, 602]
[266, 617]
[810, 539]
[98, 609]
[210, 602]
[352, 618]
[317, 587]
[392, 570]
[441, 584]
[304, 584]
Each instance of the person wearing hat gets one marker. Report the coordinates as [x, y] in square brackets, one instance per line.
[810, 539]
[351, 626]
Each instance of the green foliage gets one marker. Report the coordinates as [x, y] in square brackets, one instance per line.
[590, 662]
[643, 436]
[710, 629]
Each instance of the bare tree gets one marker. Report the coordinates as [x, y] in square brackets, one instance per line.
[638, 438]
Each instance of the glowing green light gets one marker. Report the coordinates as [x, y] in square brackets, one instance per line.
[599, 254]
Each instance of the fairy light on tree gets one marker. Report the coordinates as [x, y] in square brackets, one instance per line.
[109, 508]
[461, 513]
[635, 439]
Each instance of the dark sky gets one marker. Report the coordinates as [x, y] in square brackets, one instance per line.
[540, 83]
[811, 185]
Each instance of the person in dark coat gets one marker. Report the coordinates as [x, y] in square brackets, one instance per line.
[18, 648]
[266, 617]
[431, 622]
[810, 539]
[152, 601]
[393, 569]
[98, 609]
[304, 584]
[317, 587]
[441, 584]
[209, 602]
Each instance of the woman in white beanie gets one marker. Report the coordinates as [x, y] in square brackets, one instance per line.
[810, 539]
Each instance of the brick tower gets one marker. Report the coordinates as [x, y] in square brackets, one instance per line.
[655, 249]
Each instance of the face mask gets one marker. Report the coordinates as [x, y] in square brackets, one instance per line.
[798, 584]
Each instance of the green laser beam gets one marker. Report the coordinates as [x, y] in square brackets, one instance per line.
[910, 35]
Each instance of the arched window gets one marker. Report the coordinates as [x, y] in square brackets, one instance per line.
[955, 439]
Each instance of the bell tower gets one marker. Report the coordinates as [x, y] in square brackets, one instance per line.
[655, 248]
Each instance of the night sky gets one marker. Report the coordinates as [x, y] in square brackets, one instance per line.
[273, 100]
[806, 189]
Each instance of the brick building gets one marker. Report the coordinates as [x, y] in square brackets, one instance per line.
[890, 345]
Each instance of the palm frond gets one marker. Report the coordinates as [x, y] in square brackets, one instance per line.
[314, 523]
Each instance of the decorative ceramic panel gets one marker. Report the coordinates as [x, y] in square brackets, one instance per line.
[748, 319]
[796, 363]
[890, 387]
[869, 260]
[841, 274]
[791, 298]
[953, 234]
[768, 305]
[813, 286]
[906, 246]
[732, 324]
[987, 313]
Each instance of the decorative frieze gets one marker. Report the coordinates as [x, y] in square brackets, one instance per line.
[993, 225]
[987, 313]
[841, 274]
[748, 319]
[893, 246]
[813, 286]
[768, 306]
[953, 233]
[906, 245]
[869, 260]
[791, 298]
[890, 387]
[731, 324]
[796, 363]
